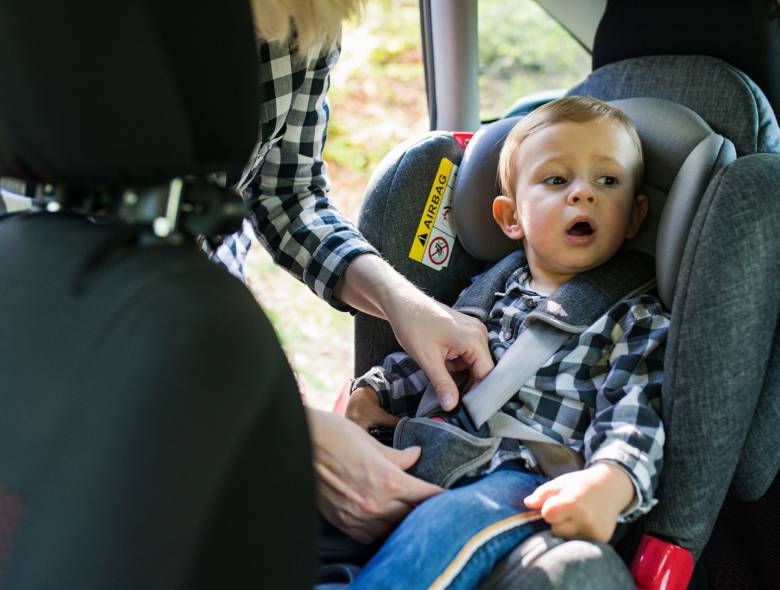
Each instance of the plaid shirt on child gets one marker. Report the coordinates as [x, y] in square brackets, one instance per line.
[600, 394]
[285, 182]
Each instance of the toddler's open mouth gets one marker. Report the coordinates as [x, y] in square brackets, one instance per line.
[581, 228]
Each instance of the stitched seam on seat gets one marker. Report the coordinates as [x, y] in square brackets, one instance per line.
[683, 305]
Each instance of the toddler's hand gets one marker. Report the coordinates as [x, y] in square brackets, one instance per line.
[363, 409]
[584, 504]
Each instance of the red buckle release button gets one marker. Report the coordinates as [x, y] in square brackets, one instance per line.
[660, 565]
[462, 137]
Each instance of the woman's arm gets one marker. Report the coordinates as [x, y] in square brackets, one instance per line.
[295, 220]
[362, 485]
[286, 184]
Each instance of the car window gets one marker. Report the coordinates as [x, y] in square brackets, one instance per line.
[522, 51]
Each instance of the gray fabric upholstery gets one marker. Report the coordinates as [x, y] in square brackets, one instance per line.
[450, 452]
[759, 455]
[473, 197]
[575, 305]
[710, 155]
[681, 156]
[545, 561]
[738, 110]
[718, 396]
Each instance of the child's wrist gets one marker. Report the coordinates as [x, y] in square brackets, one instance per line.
[620, 487]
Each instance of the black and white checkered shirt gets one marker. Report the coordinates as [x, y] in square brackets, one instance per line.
[600, 394]
[285, 182]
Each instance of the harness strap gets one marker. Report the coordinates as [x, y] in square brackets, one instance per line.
[532, 348]
[554, 458]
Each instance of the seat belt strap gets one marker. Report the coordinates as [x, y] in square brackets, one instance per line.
[553, 457]
[529, 352]
[504, 425]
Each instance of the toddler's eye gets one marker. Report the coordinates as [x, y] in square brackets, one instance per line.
[554, 180]
[607, 180]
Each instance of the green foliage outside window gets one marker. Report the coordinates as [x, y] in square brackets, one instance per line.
[522, 50]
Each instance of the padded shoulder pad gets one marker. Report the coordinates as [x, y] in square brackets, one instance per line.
[395, 213]
[477, 186]
[393, 218]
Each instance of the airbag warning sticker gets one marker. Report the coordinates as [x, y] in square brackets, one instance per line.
[435, 236]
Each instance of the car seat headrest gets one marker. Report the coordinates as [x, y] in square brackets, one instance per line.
[731, 103]
[745, 34]
[682, 153]
[125, 92]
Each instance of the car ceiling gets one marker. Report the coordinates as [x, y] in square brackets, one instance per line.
[580, 18]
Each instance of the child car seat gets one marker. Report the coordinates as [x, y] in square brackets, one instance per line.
[399, 190]
[709, 353]
[151, 434]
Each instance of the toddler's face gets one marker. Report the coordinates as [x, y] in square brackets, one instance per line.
[575, 196]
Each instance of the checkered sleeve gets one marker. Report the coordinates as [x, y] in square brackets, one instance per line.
[626, 429]
[288, 196]
[399, 383]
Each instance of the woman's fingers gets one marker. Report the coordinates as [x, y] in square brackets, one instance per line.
[362, 486]
[412, 490]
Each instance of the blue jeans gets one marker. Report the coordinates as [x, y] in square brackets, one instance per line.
[456, 538]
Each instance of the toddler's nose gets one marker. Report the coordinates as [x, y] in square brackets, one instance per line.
[580, 194]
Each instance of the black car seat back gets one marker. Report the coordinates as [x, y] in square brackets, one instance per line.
[134, 92]
[151, 435]
[745, 34]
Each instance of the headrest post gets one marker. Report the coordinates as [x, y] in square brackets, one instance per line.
[164, 226]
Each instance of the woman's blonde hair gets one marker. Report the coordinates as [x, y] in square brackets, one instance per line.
[315, 21]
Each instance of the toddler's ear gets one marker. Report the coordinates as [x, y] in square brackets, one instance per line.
[638, 214]
[504, 213]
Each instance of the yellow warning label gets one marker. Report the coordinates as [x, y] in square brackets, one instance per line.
[435, 198]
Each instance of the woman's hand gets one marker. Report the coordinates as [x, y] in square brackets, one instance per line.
[433, 334]
[362, 487]
[440, 339]
[584, 504]
[364, 410]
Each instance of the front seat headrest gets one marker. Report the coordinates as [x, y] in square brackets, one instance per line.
[681, 153]
[125, 92]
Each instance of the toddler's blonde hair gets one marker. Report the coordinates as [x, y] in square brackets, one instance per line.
[316, 21]
[579, 109]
